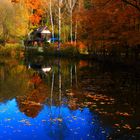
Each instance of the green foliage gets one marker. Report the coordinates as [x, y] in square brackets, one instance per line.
[87, 4]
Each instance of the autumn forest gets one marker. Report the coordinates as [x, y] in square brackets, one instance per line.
[69, 69]
[101, 27]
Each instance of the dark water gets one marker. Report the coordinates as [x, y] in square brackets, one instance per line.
[75, 100]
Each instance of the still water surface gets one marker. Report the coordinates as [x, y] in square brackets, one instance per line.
[75, 100]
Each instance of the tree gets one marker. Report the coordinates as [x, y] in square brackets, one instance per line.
[7, 18]
[107, 26]
[35, 11]
[21, 19]
[51, 17]
[60, 5]
[70, 4]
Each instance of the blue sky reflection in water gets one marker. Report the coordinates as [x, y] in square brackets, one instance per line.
[52, 123]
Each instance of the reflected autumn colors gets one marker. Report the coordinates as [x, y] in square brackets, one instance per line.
[77, 99]
[32, 103]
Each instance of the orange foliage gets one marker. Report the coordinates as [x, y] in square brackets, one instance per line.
[35, 19]
[81, 45]
[36, 10]
[31, 104]
[34, 4]
[114, 23]
[83, 63]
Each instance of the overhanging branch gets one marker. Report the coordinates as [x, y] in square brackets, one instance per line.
[132, 4]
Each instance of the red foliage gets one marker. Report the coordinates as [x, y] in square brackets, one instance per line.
[36, 80]
[115, 23]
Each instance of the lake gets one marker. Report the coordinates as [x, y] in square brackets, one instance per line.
[73, 100]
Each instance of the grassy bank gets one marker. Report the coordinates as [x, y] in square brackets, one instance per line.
[65, 51]
[11, 50]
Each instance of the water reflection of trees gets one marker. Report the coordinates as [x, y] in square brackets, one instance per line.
[13, 79]
[65, 81]
[32, 103]
[112, 92]
[17, 81]
[51, 89]
[108, 91]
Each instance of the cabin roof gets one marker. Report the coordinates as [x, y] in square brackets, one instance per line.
[40, 30]
[43, 30]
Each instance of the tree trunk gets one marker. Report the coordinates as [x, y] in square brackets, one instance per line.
[59, 23]
[52, 87]
[76, 33]
[60, 81]
[51, 17]
[71, 76]
[71, 26]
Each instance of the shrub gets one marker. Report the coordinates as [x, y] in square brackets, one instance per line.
[10, 50]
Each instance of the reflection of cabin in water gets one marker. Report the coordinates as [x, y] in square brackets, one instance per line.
[39, 35]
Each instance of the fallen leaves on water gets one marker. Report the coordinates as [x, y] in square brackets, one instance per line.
[138, 127]
[26, 122]
[117, 125]
[127, 126]
[99, 97]
[125, 114]
[56, 119]
[88, 103]
[70, 94]
[59, 119]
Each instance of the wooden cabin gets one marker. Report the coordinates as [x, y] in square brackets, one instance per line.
[41, 33]
[38, 36]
